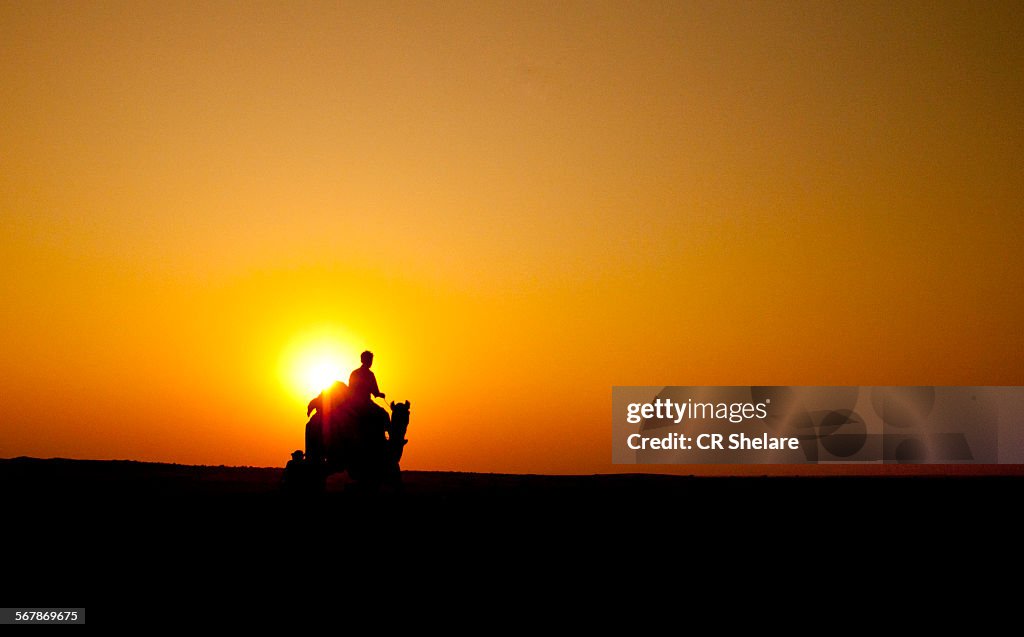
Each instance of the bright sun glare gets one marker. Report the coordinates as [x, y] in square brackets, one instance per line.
[319, 373]
[312, 363]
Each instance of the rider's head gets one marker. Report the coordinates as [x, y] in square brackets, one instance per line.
[366, 358]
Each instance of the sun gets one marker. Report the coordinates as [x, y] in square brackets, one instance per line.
[312, 362]
[319, 372]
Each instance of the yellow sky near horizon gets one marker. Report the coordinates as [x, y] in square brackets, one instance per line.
[516, 206]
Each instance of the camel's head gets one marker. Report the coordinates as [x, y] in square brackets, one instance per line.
[400, 414]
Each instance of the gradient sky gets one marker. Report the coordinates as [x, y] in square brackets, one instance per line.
[515, 205]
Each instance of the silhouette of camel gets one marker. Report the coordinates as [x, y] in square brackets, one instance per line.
[347, 434]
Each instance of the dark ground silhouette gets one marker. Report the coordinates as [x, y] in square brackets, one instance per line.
[127, 539]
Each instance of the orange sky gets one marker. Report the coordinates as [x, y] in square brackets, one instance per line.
[516, 206]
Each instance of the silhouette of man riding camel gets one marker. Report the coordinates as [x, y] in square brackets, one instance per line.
[348, 431]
